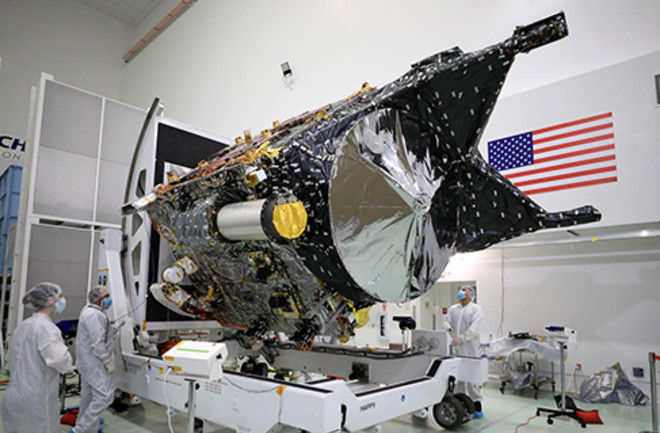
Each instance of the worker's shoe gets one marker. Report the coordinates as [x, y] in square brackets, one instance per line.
[478, 414]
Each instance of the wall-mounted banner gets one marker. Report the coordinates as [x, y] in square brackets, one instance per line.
[11, 148]
[568, 155]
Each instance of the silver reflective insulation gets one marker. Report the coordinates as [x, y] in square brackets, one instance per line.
[191, 227]
[612, 386]
[380, 198]
[242, 221]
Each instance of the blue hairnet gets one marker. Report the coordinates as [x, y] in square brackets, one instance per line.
[95, 294]
[41, 296]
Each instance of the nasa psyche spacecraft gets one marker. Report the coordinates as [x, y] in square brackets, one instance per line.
[360, 201]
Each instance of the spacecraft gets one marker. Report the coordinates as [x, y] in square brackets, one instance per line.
[364, 200]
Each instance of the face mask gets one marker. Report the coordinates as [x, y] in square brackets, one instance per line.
[107, 302]
[61, 305]
[461, 295]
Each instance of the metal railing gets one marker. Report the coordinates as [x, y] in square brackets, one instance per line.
[654, 393]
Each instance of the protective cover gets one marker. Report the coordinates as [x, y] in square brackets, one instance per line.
[393, 185]
[506, 346]
[612, 386]
[522, 379]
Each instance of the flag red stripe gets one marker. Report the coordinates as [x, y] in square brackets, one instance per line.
[573, 123]
[572, 154]
[571, 185]
[567, 175]
[573, 143]
[561, 166]
[574, 133]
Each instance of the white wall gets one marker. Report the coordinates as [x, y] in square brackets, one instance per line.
[75, 43]
[606, 290]
[627, 90]
[217, 67]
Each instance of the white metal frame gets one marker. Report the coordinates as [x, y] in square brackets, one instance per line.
[25, 214]
[254, 404]
[413, 382]
[141, 239]
[110, 258]
[27, 218]
[9, 251]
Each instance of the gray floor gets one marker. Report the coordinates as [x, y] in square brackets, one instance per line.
[503, 414]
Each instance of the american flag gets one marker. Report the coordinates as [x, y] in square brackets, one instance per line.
[568, 155]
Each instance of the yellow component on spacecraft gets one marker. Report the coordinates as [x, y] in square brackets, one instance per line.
[292, 311]
[171, 176]
[209, 294]
[255, 177]
[364, 88]
[322, 115]
[290, 219]
[362, 317]
[267, 150]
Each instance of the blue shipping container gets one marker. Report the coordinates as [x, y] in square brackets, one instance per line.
[10, 194]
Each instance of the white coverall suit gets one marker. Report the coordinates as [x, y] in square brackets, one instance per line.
[38, 356]
[464, 323]
[94, 351]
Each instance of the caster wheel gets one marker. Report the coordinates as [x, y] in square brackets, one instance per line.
[550, 421]
[449, 413]
[261, 369]
[248, 367]
[468, 406]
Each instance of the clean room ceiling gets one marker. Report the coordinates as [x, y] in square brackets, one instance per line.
[129, 11]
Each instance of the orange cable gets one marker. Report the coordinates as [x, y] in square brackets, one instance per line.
[525, 423]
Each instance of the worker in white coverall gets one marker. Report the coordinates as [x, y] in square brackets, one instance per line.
[463, 322]
[95, 360]
[38, 356]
